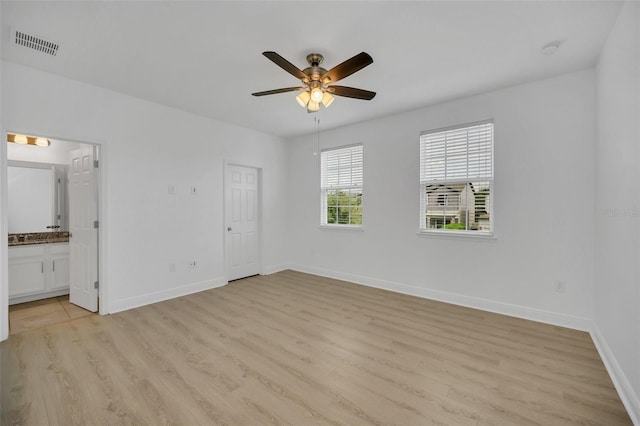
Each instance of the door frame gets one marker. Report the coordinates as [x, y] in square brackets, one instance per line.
[226, 165]
[101, 180]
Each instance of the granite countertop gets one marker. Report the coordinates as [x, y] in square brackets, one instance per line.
[30, 238]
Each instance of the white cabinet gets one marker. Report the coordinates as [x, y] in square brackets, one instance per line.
[26, 270]
[59, 255]
[38, 271]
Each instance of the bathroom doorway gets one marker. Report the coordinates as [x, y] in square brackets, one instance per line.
[53, 270]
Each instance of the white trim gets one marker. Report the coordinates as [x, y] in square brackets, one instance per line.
[533, 314]
[4, 246]
[458, 234]
[273, 269]
[333, 148]
[32, 164]
[103, 289]
[342, 227]
[626, 393]
[160, 296]
[32, 297]
[457, 126]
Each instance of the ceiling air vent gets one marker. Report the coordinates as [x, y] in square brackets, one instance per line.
[38, 43]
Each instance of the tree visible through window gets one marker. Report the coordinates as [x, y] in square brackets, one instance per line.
[341, 186]
[456, 179]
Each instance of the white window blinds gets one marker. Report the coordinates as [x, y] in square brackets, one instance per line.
[456, 178]
[341, 183]
[464, 153]
[342, 167]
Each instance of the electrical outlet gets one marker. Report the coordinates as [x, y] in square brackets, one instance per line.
[171, 189]
[172, 267]
[192, 264]
[561, 286]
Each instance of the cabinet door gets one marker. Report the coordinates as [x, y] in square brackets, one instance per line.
[26, 276]
[59, 271]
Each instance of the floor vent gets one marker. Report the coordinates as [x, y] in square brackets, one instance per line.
[37, 43]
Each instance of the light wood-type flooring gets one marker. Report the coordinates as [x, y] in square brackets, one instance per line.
[292, 348]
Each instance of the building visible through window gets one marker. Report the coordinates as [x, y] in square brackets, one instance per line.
[456, 179]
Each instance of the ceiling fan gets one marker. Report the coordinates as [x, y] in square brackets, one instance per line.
[317, 83]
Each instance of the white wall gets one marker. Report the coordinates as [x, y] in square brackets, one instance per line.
[617, 256]
[544, 155]
[146, 147]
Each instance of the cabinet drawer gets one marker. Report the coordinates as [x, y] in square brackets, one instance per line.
[59, 248]
[36, 250]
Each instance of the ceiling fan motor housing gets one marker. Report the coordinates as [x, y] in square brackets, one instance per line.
[314, 72]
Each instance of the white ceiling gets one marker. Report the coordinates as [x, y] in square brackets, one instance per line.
[205, 57]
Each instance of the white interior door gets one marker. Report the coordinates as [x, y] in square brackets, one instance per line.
[83, 244]
[241, 216]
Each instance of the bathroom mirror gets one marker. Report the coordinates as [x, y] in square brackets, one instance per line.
[36, 197]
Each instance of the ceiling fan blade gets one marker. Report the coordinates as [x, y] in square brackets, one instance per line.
[351, 92]
[275, 91]
[347, 68]
[285, 65]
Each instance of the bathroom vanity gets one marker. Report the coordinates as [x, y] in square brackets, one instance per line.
[38, 261]
[38, 266]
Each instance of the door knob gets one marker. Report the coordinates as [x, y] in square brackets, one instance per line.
[228, 228]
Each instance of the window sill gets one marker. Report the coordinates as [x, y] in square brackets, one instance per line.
[342, 228]
[455, 234]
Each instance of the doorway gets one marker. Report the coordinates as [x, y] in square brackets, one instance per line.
[242, 195]
[68, 259]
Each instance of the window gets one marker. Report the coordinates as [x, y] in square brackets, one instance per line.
[341, 186]
[456, 179]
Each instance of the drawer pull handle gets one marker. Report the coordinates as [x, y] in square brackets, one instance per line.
[53, 266]
[42, 267]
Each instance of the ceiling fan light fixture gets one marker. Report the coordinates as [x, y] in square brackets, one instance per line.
[313, 106]
[303, 98]
[327, 99]
[316, 95]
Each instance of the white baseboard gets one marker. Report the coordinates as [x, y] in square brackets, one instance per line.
[31, 298]
[149, 298]
[539, 315]
[272, 269]
[628, 396]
